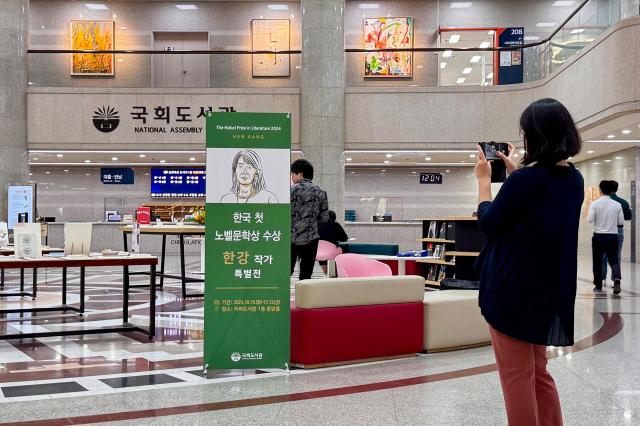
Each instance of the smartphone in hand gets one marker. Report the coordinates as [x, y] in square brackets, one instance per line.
[498, 168]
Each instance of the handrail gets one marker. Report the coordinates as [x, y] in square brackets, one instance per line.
[477, 49]
[297, 52]
[171, 52]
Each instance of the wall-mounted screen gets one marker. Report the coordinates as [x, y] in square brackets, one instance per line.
[178, 182]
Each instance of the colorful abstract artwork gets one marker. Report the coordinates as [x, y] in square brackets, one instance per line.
[272, 35]
[92, 35]
[388, 33]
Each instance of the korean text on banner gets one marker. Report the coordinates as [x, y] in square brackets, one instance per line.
[248, 242]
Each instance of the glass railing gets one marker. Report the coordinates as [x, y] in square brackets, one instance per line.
[163, 70]
[431, 66]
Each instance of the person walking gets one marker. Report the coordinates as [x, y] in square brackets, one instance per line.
[309, 207]
[628, 215]
[606, 216]
[528, 265]
[333, 232]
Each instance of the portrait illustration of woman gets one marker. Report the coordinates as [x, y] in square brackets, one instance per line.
[248, 183]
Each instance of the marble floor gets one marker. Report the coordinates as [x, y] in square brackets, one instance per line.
[123, 378]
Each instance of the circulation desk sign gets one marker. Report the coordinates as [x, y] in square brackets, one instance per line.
[248, 241]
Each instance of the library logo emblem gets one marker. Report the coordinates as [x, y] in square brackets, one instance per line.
[106, 119]
[235, 357]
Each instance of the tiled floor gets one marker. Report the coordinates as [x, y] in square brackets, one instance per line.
[125, 378]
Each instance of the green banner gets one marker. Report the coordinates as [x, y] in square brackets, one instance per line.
[248, 241]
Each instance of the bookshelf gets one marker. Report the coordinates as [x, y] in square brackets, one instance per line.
[459, 240]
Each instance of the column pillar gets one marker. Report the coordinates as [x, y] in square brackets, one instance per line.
[14, 165]
[322, 95]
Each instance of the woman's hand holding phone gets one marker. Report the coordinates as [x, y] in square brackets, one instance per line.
[509, 161]
[483, 167]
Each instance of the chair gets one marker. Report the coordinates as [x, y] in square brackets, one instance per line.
[327, 250]
[351, 265]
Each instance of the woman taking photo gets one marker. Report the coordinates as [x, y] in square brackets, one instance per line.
[529, 261]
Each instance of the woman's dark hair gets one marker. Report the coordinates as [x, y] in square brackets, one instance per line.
[304, 167]
[332, 216]
[550, 134]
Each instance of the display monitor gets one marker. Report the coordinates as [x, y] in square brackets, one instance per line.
[178, 182]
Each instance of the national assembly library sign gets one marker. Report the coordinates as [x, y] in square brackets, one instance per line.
[248, 241]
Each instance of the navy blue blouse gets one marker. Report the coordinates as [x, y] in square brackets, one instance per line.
[529, 262]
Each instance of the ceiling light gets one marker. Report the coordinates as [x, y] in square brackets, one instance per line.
[460, 80]
[87, 174]
[447, 53]
[114, 158]
[59, 155]
[454, 38]
[590, 151]
[65, 170]
[192, 159]
[47, 173]
[611, 136]
[491, 32]
[413, 173]
[577, 31]
[353, 173]
[447, 171]
[386, 161]
[472, 156]
[475, 59]
[619, 158]
[545, 24]
[30, 174]
[35, 158]
[484, 45]
[163, 161]
[626, 131]
[427, 158]
[531, 38]
[96, 6]
[369, 6]
[443, 65]
[607, 161]
[123, 28]
[467, 70]
[141, 155]
[186, 6]
[563, 3]
[383, 171]
[87, 161]
[596, 164]
[490, 76]
[278, 7]
[42, 27]
[460, 4]
[389, 155]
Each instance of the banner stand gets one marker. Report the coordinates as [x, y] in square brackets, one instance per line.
[247, 242]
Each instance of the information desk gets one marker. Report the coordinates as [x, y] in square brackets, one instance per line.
[9, 251]
[83, 262]
[164, 231]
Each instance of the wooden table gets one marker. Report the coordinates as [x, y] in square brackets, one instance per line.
[83, 262]
[9, 251]
[164, 231]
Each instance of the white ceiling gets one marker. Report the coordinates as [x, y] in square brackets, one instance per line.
[458, 61]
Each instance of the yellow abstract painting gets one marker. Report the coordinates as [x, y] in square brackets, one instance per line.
[92, 35]
[272, 35]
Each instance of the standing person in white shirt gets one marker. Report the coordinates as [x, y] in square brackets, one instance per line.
[606, 215]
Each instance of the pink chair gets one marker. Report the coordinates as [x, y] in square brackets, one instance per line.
[352, 265]
[327, 250]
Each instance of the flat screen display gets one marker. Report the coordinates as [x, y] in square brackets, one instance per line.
[178, 182]
[20, 202]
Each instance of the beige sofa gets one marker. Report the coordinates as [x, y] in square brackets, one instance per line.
[452, 320]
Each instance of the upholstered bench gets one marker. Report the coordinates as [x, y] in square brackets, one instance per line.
[452, 320]
[347, 320]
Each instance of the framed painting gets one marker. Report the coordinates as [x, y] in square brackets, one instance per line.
[388, 33]
[92, 35]
[272, 35]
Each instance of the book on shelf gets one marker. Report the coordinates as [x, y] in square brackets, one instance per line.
[431, 276]
[443, 231]
[437, 251]
[432, 229]
[451, 230]
[453, 260]
[443, 273]
[429, 249]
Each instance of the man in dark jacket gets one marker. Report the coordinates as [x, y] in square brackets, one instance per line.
[626, 211]
[309, 207]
